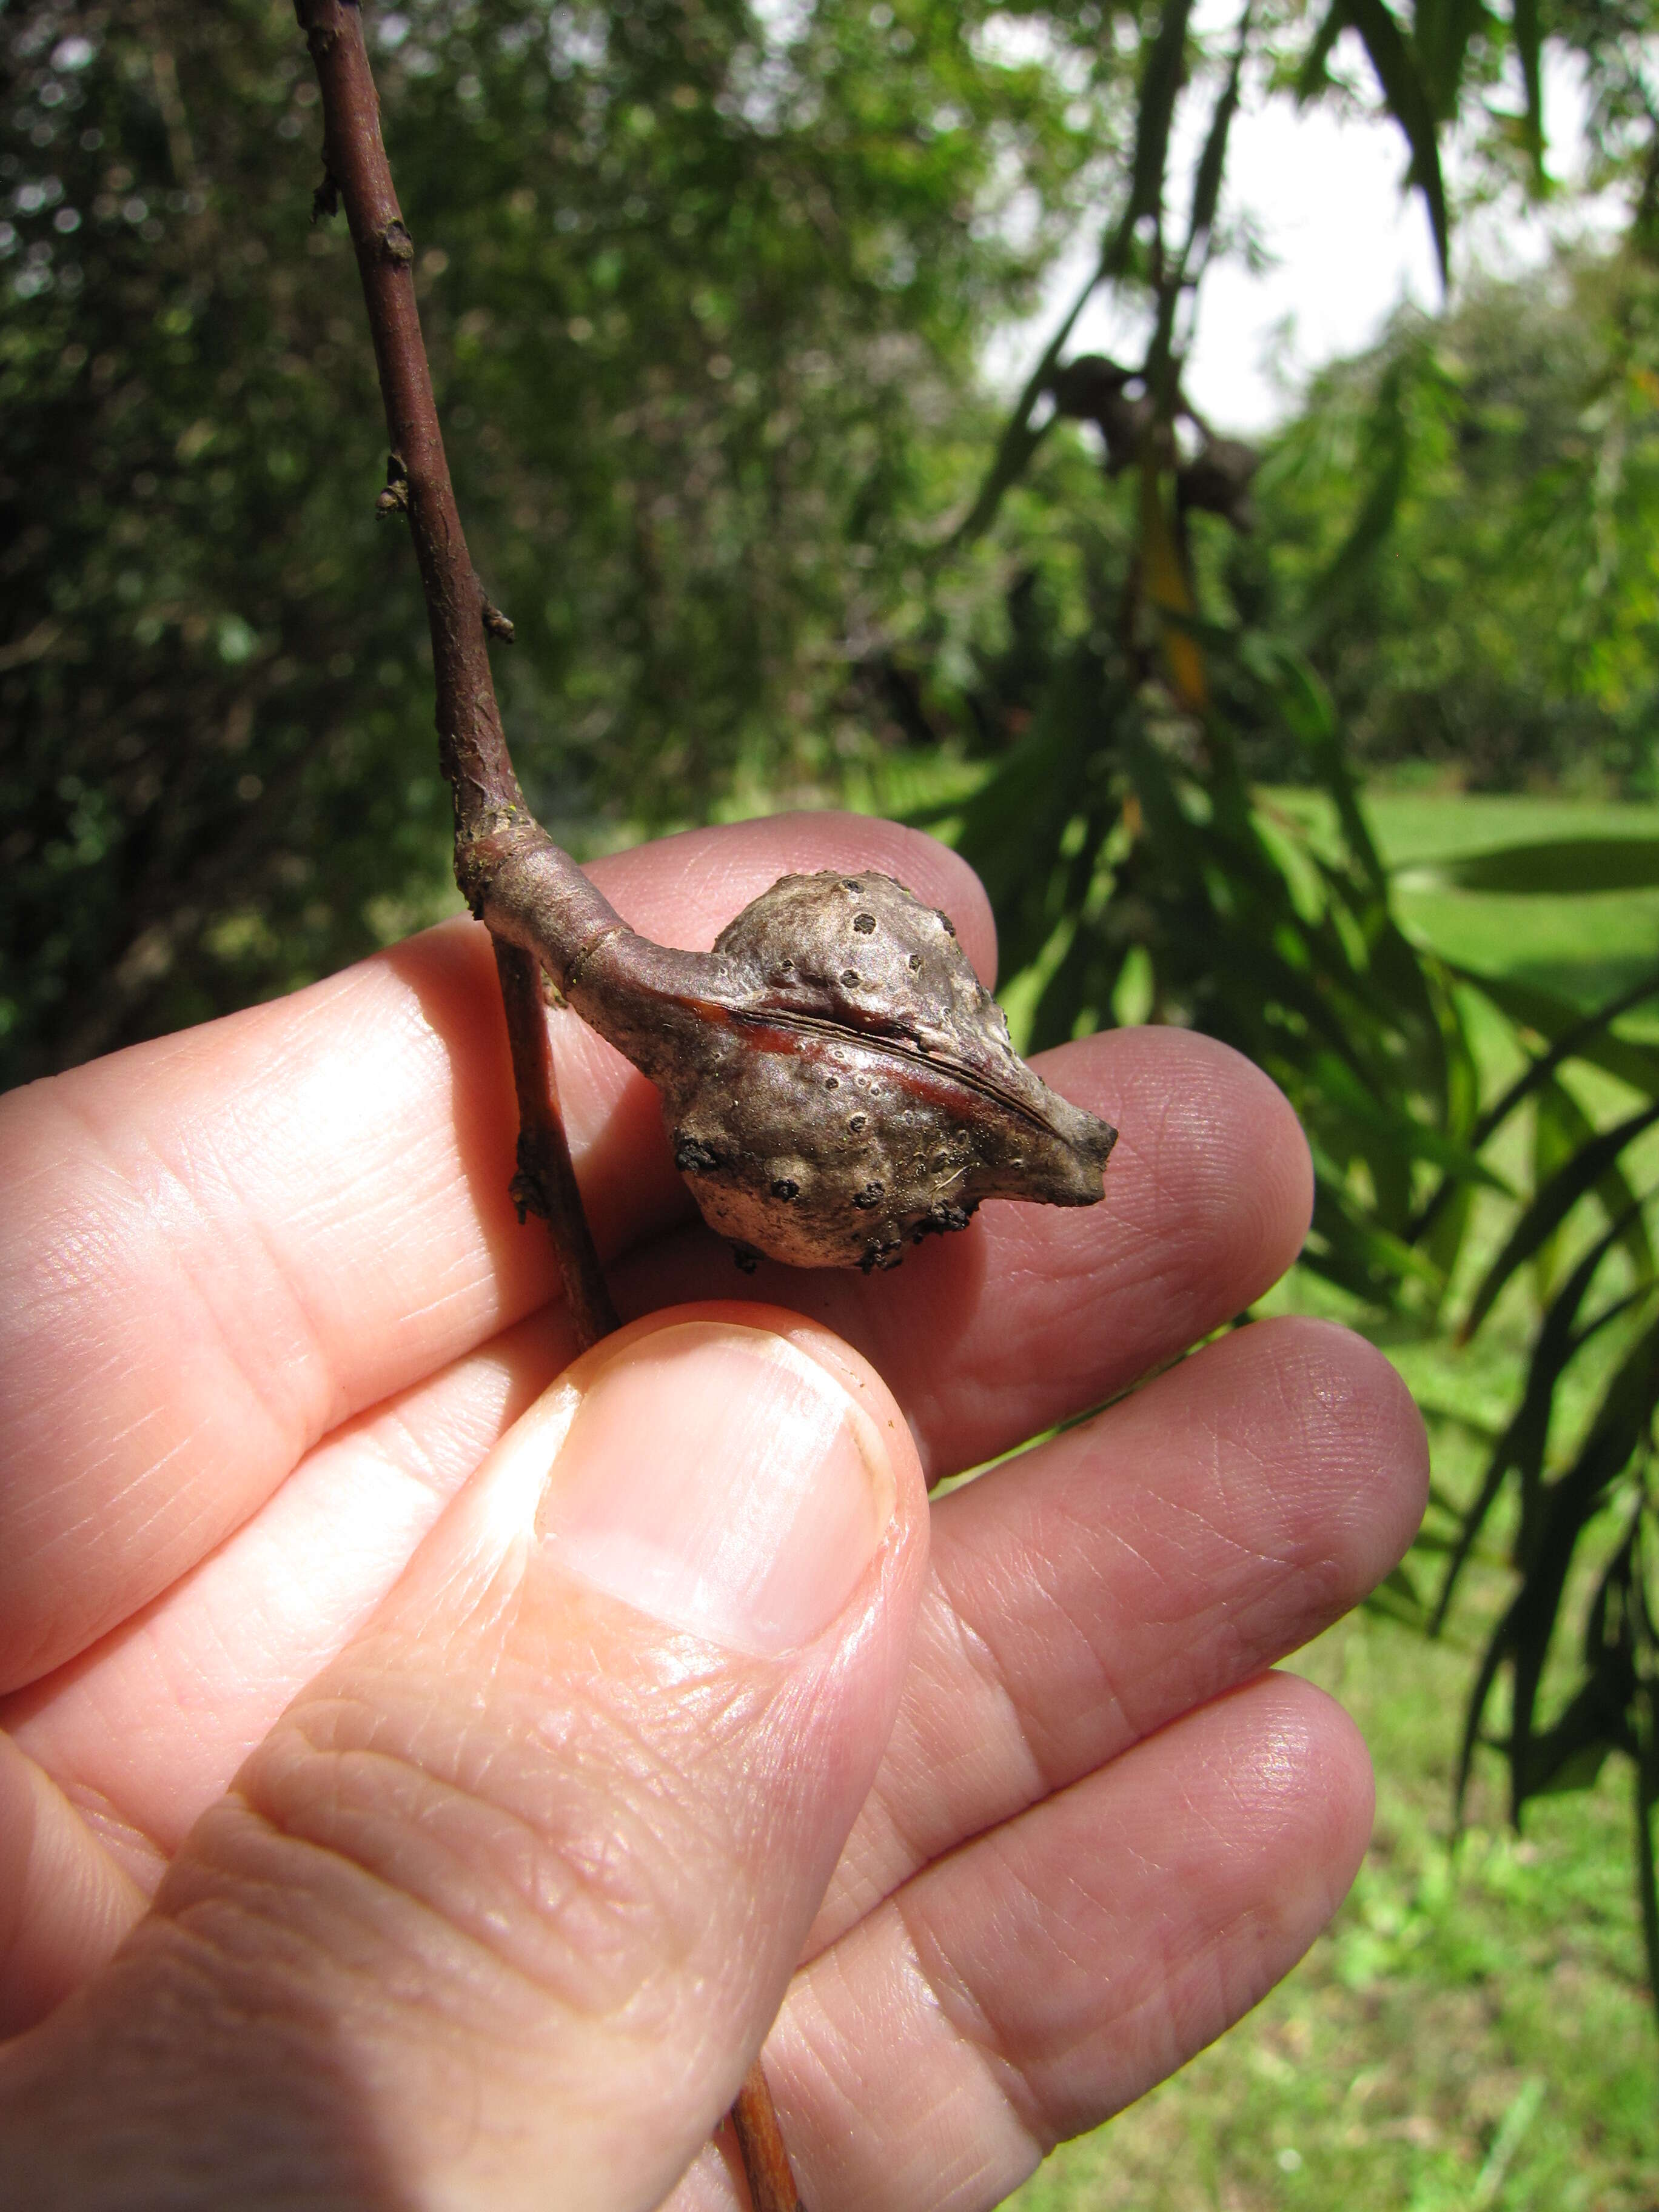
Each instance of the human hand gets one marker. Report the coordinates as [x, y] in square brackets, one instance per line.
[513, 1874]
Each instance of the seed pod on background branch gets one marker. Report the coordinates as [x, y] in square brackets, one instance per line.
[1218, 479]
[836, 1080]
[1093, 388]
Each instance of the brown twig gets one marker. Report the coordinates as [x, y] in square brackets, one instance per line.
[760, 2139]
[493, 825]
[545, 1170]
[472, 744]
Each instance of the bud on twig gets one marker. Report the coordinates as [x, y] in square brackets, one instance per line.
[394, 500]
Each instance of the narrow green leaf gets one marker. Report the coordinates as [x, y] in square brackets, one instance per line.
[1410, 104]
[1370, 1109]
[1314, 76]
[1397, 1599]
[1573, 1128]
[1568, 1043]
[1441, 33]
[1357, 1255]
[1309, 713]
[1558, 1129]
[1527, 34]
[1474, 1520]
[1161, 78]
[1623, 1421]
[1570, 1755]
[1580, 1037]
[1388, 451]
[1552, 1206]
[1443, 1239]
[1520, 1449]
[1160, 85]
[1212, 163]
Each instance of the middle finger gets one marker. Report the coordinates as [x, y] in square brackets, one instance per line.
[1086, 1594]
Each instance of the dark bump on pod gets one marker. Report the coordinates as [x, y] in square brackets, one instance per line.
[863, 923]
[849, 976]
[870, 1195]
[785, 1189]
[915, 964]
[858, 1122]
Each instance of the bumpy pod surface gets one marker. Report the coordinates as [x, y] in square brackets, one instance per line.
[836, 1080]
[855, 1088]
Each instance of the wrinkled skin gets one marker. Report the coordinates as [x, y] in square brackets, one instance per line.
[264, 1308]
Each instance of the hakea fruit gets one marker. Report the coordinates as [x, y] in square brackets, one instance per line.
[836, 1082]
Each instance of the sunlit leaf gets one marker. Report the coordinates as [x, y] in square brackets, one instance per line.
[1552, 1206]
[1580, 1037]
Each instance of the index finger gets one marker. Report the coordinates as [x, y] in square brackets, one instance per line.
[218, 1246]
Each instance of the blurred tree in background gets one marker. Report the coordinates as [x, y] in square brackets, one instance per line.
[703, 297]
[1512, 632]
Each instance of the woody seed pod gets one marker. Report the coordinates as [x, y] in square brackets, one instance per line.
[836, 1080]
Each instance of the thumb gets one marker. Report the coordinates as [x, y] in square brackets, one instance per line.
[507, 1902]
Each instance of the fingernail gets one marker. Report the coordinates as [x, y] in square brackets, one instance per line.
[719, 1480]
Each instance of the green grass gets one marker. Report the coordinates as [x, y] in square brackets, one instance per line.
[1474, 2030]
[1471, 2031]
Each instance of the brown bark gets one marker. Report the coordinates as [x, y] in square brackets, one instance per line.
[765, 2161]
[472, 743]
[472, 746]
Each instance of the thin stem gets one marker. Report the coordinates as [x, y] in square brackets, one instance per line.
[765, 2161]
[491, 813]
[472, 742]
[546, 1181]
